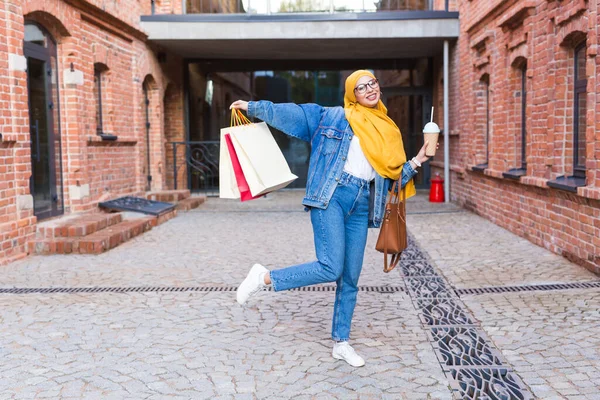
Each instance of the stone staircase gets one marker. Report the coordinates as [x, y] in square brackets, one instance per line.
[98, 231]
[184, 200]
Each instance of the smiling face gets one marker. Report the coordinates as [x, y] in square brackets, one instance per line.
[370, 95]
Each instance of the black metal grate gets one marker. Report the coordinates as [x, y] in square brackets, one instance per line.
[429, 288]
[412, 253]
[489, 384]
[417, 268]
[474, 368]
[138, 204]
[436, 312]
[463, 347]
[143, 289]
[528, 288]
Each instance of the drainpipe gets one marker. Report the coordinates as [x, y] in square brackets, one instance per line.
[446, 124]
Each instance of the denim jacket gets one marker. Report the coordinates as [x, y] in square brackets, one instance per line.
[329, 134]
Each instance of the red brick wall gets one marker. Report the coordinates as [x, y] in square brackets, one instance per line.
[496, 38]
[174, 132]
[87, 33]
[16, 222]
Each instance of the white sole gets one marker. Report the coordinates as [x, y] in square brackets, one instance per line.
[255, 266]
[343, 359]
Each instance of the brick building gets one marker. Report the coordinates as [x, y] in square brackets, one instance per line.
[78, 81]
[93, 93]
[525, 136]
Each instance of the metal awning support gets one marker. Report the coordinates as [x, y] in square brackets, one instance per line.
[446, 124]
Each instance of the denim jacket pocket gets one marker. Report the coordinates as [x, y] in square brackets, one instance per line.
[331, 140]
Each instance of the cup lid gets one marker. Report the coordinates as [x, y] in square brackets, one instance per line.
[431, 127]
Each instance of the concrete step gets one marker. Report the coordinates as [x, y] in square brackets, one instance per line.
[77, 225]
[94, 243]
[113, 236]
[190, 203]
[169, 196]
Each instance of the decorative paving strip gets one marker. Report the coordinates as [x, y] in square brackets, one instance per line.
[464, 347]
[428, 288]
[474, 368]
[442, 312]
[417, 268]
[145, 289]
[412, 253]
[529, 288]
[488, 384]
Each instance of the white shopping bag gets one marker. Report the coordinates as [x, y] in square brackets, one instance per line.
[260, 158]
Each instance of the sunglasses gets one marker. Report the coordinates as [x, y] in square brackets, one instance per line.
[362, 88]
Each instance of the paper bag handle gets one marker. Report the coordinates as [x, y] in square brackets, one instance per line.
[238, 118]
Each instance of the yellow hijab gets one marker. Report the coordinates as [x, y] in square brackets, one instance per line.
[380, 138]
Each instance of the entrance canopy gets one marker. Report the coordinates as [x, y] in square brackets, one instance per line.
[377, 35]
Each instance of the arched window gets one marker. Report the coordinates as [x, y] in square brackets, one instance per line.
[34, 34]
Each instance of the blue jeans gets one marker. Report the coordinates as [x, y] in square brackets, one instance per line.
[340, 233]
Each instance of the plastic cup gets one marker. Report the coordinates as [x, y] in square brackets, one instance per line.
[431, 133]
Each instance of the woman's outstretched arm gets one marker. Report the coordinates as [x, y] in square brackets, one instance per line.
[299, 121]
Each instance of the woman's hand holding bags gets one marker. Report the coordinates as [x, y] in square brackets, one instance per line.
[251, 164]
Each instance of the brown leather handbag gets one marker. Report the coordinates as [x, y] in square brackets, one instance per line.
[392, 235]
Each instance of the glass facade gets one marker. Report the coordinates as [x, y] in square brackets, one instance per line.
[302, 6]
[406, 92]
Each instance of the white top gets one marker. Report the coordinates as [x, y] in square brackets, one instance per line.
[356, 163]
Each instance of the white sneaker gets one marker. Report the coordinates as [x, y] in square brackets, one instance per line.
[254, 283]
[343, 351]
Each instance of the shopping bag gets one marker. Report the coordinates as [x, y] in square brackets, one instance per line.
[228, 188]
[263, 165]
[242, 184]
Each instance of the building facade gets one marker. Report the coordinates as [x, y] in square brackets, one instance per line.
[525, 131]
[103, 99]
[85, 101]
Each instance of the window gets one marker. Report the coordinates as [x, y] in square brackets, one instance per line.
[518, 157]
[579, 112]
[487, 122]
[576, 136]
[524, 118]
[483, 123]
[34, 34]
[99, 70]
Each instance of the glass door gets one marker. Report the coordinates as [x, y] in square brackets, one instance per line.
[42, 91]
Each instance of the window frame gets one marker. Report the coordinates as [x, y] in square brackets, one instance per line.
[487, 122]
[579, 87]
[485, 80]
[524, 117]
[98, 71]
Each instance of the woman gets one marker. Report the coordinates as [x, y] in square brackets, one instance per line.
[356, 154]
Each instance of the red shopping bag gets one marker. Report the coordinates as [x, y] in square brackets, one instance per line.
[242, 184]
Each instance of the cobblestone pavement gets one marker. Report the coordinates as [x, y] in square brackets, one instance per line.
[550, 338]
[197, 345]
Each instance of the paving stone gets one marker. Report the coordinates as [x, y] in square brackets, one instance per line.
[202, 345]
